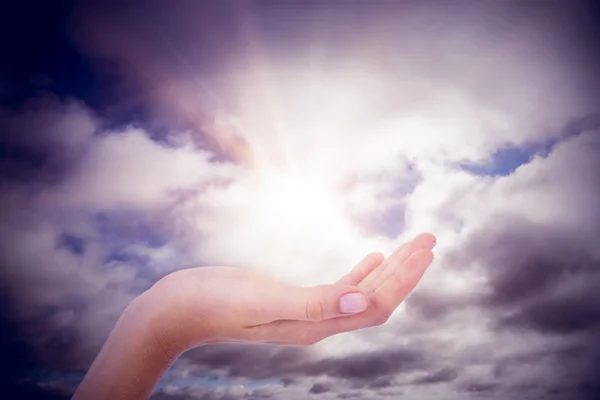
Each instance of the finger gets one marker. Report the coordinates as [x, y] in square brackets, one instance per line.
[420, 242]
[383, 303]
[384, 300]
[425, 241]
[364, 268]
[368, 282]
[403, 279]
[318, 303]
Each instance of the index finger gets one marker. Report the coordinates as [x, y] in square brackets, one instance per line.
[398, 285]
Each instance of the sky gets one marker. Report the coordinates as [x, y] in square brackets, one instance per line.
[294, 137]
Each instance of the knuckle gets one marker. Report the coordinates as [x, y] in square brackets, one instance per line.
[315, 309]
[397, 279]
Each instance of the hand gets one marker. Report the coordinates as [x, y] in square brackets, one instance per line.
[221, 304]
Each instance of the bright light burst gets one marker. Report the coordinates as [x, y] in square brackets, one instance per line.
[321, 153]
[293, 204]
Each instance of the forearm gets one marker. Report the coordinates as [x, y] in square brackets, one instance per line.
[131, 361]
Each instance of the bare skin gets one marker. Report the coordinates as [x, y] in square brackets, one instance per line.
[198, 306]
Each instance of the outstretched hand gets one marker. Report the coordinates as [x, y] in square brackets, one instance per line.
[205, 305]
[220, 304]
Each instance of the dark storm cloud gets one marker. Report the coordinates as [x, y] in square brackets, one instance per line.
[164, 68]
[368, 366]
[251, 361]
[381, 382]
[479, 387]
[541, 281]
[440, 376]
[257, 362]
[435, 306]
[367, 371]
[260, 394]
[320, 387]
[18, 359]
[43, 140]
[574, 365]
[561, 314]
[525, 261]
[351, 395]
[545, 280]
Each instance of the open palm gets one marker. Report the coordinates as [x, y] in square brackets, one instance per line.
[386, 281]
[223, 304]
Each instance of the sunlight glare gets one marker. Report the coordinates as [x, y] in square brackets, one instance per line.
[291, 204]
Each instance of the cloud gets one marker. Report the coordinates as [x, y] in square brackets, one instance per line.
[41, 142]
[91, 205]
[128, 169]
[530, 245]
[319, 387]
[442, 375]
[478, 125]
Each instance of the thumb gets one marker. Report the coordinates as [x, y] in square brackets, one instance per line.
[323, 302]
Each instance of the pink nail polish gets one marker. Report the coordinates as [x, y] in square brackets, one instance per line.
[352, 303]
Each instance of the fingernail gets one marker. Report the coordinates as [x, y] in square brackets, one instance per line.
[352, 303]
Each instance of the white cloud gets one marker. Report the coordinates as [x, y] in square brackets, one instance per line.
[128, 169]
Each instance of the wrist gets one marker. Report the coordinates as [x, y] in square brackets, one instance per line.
[132, 359]
[147, 318]
[170, 319]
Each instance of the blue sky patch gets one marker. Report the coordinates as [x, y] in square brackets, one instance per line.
[506, 160]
